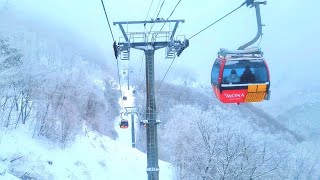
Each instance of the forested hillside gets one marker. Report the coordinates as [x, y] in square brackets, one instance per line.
[55, 89]
[205, 139]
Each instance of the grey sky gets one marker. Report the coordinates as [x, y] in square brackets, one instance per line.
[287, 25]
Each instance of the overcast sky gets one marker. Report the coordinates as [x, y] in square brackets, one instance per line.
[291, 26]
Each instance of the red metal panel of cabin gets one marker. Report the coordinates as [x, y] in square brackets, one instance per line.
[233, 96]
[267, 70]
[222, 63]
[216, 91]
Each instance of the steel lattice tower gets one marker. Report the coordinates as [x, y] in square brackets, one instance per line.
[149, 42]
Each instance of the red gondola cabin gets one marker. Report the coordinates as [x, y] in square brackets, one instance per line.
[240, 76]
[124, 124]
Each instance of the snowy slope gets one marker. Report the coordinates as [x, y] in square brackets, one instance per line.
[91, 156]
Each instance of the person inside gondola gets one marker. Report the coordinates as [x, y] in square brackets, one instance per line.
[247, 75]
[233, 77]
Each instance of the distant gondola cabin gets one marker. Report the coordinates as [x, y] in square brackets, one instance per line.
[124, 124]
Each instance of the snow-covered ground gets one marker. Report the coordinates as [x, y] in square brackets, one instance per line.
[91, 156]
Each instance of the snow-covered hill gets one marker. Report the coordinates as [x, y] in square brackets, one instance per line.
[90, 156]
[25, 152]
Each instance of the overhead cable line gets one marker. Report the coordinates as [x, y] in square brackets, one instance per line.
[105, 12]
[157, 92]
[174, 57]
[154, 15]
[149, 10]
[157, 14]
[171, 14]
[246, 2]
[160, 8]
[119, 76]
[174, 9]
[165, 74]
[218, 20]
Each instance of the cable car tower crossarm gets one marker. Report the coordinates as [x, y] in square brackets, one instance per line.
[149, 42]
